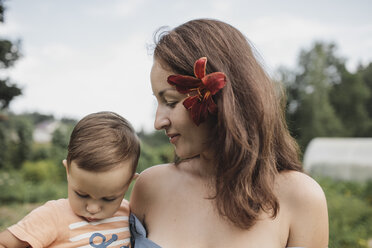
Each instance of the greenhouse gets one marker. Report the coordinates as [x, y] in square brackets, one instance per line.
[340, 158]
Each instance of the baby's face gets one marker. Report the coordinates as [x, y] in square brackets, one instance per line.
[97, 195]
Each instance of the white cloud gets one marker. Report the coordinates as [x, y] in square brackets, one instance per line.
[64, 80]
[9, 29]
[58, 52]
[220, 8]
[93, 57]
[115, 9]
[280, 38]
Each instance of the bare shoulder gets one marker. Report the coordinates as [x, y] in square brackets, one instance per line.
[158, 170]
[156, 176]
[304, 202]
[149, 186]
[297, 188]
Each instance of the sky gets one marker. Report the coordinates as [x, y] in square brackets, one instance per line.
[85, 56]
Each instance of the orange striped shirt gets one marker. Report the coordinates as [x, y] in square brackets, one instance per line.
[55, 225]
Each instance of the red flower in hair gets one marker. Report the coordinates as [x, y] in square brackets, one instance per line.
[202, 88]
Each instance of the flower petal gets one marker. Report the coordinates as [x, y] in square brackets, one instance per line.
[201, 103]
[214, 81]
[189, 102]
[184, 84]
[212, 106]
[199, 67]
[199, 112]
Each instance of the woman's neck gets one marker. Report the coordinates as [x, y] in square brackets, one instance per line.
[201, 166]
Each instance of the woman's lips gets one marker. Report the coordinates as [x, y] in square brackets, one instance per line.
[173, 138]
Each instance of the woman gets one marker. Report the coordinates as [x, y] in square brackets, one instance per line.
[237, 180]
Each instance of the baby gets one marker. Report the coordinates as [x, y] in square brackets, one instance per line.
[102, 158]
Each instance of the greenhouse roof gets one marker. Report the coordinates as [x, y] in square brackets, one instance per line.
[343, 157]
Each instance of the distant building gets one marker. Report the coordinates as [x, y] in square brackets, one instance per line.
[43, 131]
[340, 158]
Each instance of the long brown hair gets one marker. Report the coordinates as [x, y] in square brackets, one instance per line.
[250, 138]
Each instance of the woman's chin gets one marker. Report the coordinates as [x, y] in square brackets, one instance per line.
[180, 156]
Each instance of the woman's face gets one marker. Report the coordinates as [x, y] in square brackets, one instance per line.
[188, 139]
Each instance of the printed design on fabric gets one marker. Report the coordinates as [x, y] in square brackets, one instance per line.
[101, 234]
[103, 243]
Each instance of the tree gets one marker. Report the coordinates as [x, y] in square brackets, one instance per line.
[349, 98]
[15, 141]
[37, 118]
[60, 140]
[3, 146]
[7, 92]
[9, 53]
[366, 74]
[22, 141]
[324, 98]
[309, 110]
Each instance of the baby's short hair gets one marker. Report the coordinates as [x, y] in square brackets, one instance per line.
[101, 141]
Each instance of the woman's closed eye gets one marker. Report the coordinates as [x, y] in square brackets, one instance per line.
[171, 104]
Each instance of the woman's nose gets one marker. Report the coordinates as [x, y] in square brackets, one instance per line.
[161, 118]
[93, 207]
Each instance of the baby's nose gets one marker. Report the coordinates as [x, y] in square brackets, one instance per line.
[93, 208]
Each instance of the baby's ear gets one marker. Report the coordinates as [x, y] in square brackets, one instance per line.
[64, 162]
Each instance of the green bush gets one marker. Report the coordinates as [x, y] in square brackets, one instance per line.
[42, 170]
[40, 151]
[14, 189]
[45, 191]
[151, 156]
[350, 214]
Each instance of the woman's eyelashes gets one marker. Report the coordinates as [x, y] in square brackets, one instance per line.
[171, 104]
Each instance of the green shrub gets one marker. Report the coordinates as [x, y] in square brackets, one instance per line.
[367, 193]
[45, 191]
[151, 156]
[350, 214]
[40, 152]
[14, 189]
[42, 170]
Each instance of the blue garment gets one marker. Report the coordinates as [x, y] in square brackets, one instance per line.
[138, 234]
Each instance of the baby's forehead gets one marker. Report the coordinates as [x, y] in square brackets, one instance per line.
[104, 184]
[102, 166]
[121, 172]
